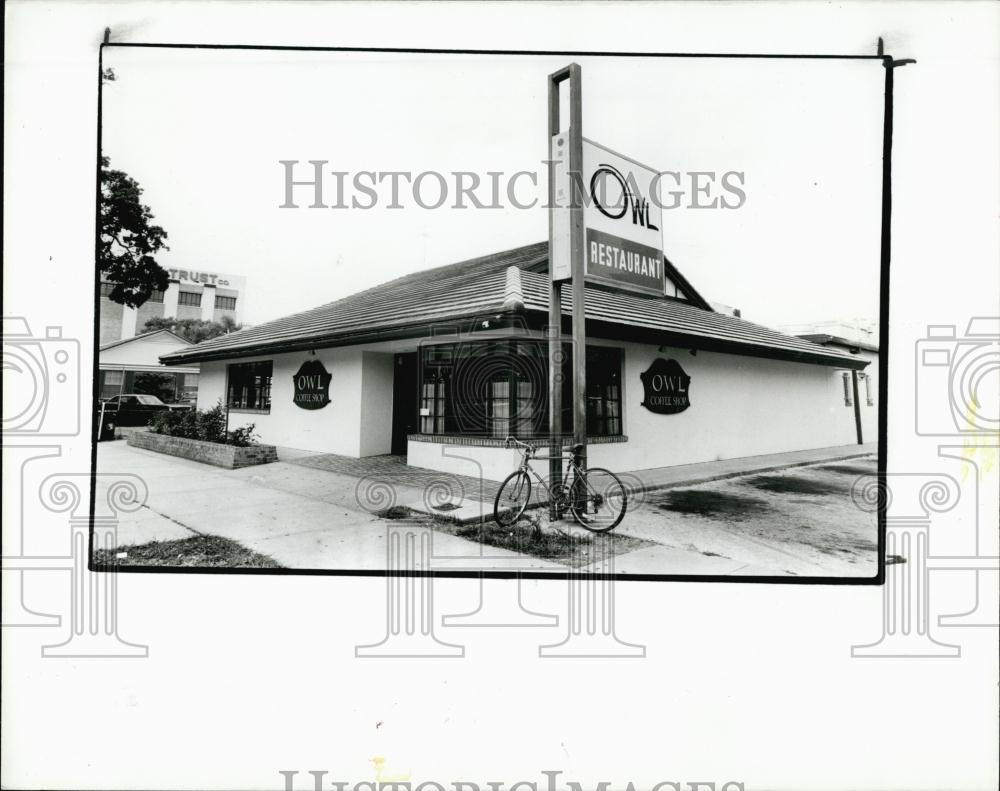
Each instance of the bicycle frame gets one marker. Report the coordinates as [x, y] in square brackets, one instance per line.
[527, 454]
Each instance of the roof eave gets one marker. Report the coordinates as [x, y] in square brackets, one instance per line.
[653, 336]
[420, 329]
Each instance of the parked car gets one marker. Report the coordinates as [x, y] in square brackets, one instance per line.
[136, 409]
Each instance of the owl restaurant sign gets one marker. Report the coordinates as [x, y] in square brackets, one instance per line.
[623, 245]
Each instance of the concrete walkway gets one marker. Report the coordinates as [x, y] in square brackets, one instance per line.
[308, 516]
[302, 518]
[470, 500]
[688, 474]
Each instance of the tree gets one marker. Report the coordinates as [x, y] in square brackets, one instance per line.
[129, 240]
[194, 330]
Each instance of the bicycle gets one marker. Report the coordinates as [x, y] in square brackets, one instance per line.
[596, 497]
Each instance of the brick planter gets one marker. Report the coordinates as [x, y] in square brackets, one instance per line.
[228, 456]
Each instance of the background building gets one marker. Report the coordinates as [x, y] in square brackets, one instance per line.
[133, 366]
[190, 294]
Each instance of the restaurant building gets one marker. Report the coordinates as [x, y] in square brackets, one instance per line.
[441, 365]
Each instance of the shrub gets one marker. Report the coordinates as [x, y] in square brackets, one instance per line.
[207, 425]
[165, 422]
[243, 437]
[211, 424]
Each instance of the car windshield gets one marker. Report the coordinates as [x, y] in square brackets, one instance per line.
[148, 400]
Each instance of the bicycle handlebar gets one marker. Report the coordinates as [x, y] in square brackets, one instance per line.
[515, 441]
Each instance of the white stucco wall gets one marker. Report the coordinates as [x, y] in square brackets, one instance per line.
[337, 427]
[869, 414]
[377, 371]
[740, 406]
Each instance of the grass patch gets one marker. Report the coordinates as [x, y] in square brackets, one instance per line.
[526, 538]
[194, 552]
[710, 503]
[793, 484]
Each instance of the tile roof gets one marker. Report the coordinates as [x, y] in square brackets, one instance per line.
[139, 337]
[408, 306]
[684, 324]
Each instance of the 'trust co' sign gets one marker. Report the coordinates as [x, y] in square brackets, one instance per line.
[666, 387]
[312, 385]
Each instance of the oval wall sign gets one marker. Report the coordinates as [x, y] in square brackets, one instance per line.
[666, 387]
[312, 385]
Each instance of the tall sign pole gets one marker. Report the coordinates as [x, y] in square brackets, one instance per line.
[566, 251]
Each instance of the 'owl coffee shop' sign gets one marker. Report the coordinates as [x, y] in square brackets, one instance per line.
[666, 387]
[312, 386]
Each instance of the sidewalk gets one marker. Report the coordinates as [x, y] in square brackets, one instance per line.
[687, 474]
[302, 518]
[473, 499]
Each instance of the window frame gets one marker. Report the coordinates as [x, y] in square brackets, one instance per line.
[196, 295]
[514, 401]
[262, 401]
[869, 395]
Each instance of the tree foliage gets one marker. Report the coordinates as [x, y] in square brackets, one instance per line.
[129, 240]
[194, 330]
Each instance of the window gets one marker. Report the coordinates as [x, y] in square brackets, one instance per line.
[112, 384]
[500, 388]
[192, 298]
[225, 303]
[189, 388]
[604, 392]
[155, 296]
[250, 385]
[432, 400]
[847, 388]
[869, 394]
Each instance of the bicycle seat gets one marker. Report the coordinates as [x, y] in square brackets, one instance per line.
[576, 449]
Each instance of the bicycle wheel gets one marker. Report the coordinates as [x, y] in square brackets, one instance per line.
[600, 504]
[512, 498]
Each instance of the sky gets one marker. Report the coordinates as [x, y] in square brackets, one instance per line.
[204, 132]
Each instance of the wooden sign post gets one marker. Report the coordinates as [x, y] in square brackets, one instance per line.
[566, 262]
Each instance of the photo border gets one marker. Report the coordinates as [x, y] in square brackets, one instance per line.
[884, 260]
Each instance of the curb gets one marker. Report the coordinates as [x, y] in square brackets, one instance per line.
[656, 487]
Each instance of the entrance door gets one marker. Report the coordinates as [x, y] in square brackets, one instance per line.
[405, 405]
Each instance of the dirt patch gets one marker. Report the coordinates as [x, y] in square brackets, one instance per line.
[793, 484]
[394, 512]
[194, 552]
[525, 537]
[851, 469]
[710, 503]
